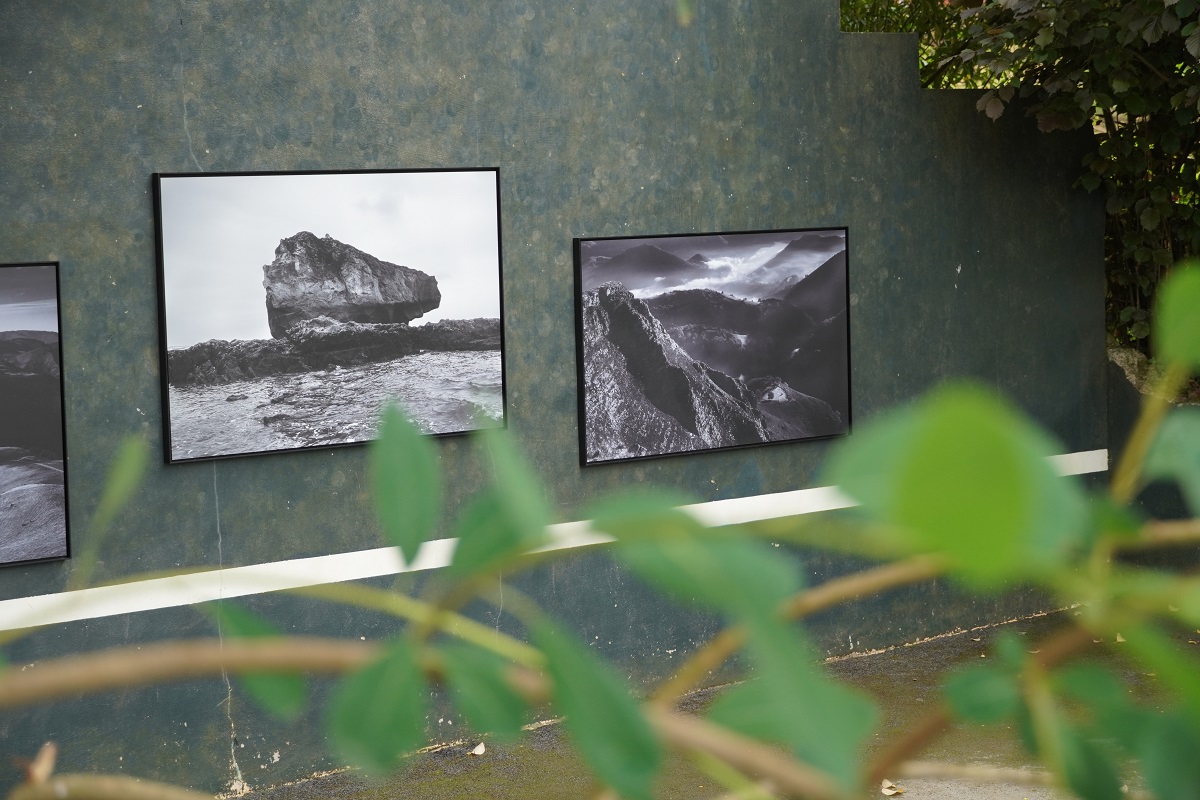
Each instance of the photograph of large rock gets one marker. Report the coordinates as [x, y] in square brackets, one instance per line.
[33, 503]
[278, 338]
[706, 342]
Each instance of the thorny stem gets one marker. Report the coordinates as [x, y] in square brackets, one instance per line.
[103, 787]
[839, 590]
[1125, 479]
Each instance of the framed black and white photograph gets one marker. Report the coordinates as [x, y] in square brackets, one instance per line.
[701, 342]
[33, 464]
[293, 306]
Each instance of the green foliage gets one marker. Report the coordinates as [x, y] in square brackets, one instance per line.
[959, 474]
[1176, 454]
[283, 695]
[1130, 71]
[670, 549]
[478, 683]
[962, 474]
[377, 715]
[124, 476]
[506, 521]
[982, 693]
[406, 482]
[791, 693]
[1178, 338]
[613, 736]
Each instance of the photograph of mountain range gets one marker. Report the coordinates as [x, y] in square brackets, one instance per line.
[33, 499]
[703, 342]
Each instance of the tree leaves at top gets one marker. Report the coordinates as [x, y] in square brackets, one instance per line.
[1129, 71]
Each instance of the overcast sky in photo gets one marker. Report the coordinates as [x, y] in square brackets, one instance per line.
[28, 299]
[735, 263]
[220, 230]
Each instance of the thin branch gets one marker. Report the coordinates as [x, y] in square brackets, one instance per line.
[102, 787]
[831, 593]
[746, 754]
[416, 611]
[1058, 648]
[139, 666]
[919, 736]
[1164, 533]
[1154, 408]
[125, 667]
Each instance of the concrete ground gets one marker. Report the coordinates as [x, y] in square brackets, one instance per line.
[903, 680]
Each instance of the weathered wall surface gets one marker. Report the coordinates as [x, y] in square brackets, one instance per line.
[970, 254]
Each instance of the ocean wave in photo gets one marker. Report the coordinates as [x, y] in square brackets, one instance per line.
[443, 392]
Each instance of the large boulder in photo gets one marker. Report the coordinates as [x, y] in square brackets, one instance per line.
[312, 278]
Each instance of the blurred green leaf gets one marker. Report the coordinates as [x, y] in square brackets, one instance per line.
[1177, 323]
[742, 577]
[1167, 751]
[282, 694]
[508, 520]
[982, 693]
[377, 714]
[685, 11]
[796, 703]
[124, 476]
[1089, 767]
[722, 568]
[1103, 693]
[641, 514]
[487, 534]
[1112, 519]
[1011, 650]
[963, 474]
[477, 683]
[1175, 453]
[405, 481]
[612, 735]
[1175, 668]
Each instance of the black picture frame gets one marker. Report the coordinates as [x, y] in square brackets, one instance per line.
[697, 342]
[34, 523]
[285, 303]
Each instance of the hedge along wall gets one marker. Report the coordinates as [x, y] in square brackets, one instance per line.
[970, 255]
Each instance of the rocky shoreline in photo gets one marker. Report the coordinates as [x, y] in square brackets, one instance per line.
[323, 343]
[331, 305]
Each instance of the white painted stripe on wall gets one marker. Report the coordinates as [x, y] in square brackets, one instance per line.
[200, 587]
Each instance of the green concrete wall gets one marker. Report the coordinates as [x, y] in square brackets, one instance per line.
[971, 254]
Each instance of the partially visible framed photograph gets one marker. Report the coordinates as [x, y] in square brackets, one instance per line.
[293, 306]
[699, 342]
[33, 463]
